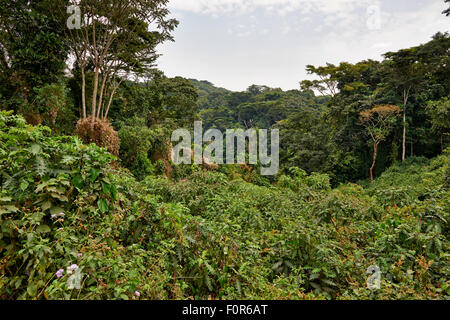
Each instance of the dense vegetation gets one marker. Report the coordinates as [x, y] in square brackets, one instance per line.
[87, 183]
[325, 134]
[211, 235]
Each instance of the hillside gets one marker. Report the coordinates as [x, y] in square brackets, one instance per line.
[212, 235]
[113, 186]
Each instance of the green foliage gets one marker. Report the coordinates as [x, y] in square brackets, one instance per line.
[63, 203]
[439, 112]
[304, 138]
[161, 101]
[69, 210]
[408, 78]
[258, 107]
[135, 145]
[32, 51]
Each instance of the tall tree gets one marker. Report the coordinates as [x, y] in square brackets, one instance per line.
[327, 84]
[160, 101]
[304, 140]
[378, 122]
[32, 50]
[439, 112]
[118, 38]
[406, 74]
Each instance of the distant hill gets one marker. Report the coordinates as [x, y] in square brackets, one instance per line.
[258, 106]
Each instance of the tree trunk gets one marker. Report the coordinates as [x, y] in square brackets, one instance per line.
[83, 91]
[97, 72]
[111, 99]
[94, 94]
[404, 135]
[100, 101]
[405, 102]
[375, 151]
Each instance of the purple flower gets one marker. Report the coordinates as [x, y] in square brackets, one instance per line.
[79, 255]
[59, 273]
[53, 216]
[137, 293]
[72, 268]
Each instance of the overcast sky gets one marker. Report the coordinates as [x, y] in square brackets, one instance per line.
[236, 43]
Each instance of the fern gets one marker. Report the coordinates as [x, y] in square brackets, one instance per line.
[12, 181]
[40, 166]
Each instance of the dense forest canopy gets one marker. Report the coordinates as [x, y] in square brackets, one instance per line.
[320, 122]
[86, 176]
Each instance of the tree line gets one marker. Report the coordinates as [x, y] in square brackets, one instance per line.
[100, 82]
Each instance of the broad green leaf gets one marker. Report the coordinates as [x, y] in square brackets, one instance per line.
[56, 210]
[113, 192]
[78, 181]
[43, 228]
[94, 173]
[32, 289]
[41, 187]
[60, 197]
[46, 205]
[24, 185]
[102, 205]
[8, 209]
[105, 188]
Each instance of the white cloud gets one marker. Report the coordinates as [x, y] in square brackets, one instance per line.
[242, 31]
[286, 29]
[400, 29]
[320, 31]
[343, 15]
[282, 7]
[382, 45]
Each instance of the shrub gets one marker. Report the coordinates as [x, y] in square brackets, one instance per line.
[205, 237]
[136, 141]
[99, 132]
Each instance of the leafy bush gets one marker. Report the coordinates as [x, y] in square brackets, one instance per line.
[135, 145]
[61, 204]
[67, 212]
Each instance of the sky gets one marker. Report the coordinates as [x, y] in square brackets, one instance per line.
[237, 43]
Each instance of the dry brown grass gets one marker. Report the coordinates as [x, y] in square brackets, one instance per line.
[99, 132]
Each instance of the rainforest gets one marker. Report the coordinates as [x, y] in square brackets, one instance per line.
[93, 207]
